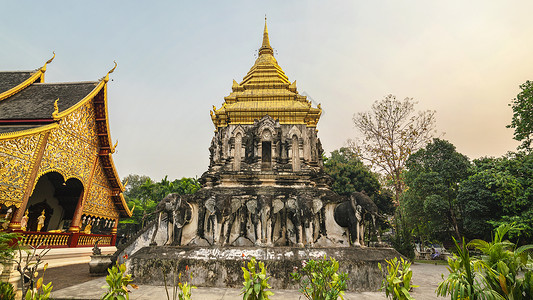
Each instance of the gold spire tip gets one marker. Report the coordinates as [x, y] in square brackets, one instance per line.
[51, 59]
[111, 71]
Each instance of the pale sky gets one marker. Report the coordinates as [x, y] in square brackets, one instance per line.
[464, 59]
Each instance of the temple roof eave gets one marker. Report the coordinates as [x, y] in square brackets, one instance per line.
[37, 75]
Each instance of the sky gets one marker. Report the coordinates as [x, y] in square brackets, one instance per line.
[463, 59]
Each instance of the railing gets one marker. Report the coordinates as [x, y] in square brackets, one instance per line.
[90, 239]
[65, 240]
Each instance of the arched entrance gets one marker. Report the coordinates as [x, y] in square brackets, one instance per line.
[58, 199]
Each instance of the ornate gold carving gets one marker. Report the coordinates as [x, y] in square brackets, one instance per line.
[56, 109]
[99, 202]
[16, 159]
[71, 147]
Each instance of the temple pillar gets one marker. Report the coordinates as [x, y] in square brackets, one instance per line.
[114, 233]
[14, 225]
[76, 219]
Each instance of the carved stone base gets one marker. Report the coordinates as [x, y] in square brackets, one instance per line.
[99, 264]
[221, 266]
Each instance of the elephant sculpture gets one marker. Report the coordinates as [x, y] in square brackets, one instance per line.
[181, 216]
[165, 206]
[350, 214]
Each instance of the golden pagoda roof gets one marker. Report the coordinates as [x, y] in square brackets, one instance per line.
[265, 90]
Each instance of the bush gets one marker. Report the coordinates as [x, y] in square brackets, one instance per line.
[118, 281]
[180, 290]
[6, 291]
[255, 283]
[402, 240]
[397, 279]
[319, 280]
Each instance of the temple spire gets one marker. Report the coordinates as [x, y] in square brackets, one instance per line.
[265, 47]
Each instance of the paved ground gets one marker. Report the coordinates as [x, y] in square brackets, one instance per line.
[75, 285]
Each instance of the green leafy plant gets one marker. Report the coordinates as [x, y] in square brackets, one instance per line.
[181, 290]
[27, 266]
[40, 291]
[319, 280]
[255, 281]
[117, 283]
[8, 245]
[6, 291]
[505, 263]
[397, 279]
[465, 280]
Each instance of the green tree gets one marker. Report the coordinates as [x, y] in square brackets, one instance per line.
[350, 174]
[433, 178]
[522, 120]
[144, 194]
[499, 191]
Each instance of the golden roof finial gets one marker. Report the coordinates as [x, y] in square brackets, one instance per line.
[43, 68]
[51, 59]
[56, 109]
[114, 146]
[113, 69]
[106, 77]
[265, 47]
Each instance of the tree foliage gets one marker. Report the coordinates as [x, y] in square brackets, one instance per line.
[144, 194]
[391, 131]
[522, 120]
[433, 178]
[499, 191]
[350, 174]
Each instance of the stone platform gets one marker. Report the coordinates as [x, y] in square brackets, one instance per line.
[221, 266]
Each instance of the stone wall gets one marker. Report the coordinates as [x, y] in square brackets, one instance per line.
[221, 267]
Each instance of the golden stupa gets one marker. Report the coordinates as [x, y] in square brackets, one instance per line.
[265, 90]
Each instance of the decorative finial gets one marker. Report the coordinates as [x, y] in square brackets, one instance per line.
[51, 59]
[214, 108]
[111, 71]
[106, 77]
[114, 146]
[265, 47]
[56, 109]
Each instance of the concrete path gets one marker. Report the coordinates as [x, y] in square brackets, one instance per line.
[427, 276]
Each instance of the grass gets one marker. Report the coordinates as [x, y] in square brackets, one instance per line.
[432, 262]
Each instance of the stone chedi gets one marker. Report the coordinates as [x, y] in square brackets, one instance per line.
[265, 183]
[265, 194]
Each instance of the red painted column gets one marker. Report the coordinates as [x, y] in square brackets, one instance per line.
[76, 219]
[114, 233]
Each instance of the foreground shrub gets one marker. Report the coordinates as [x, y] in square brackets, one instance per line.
[6, 291]
[181, 290]
[117, 283]
[255, 283]
[397, 279]
[509, 270]
[319, 280]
